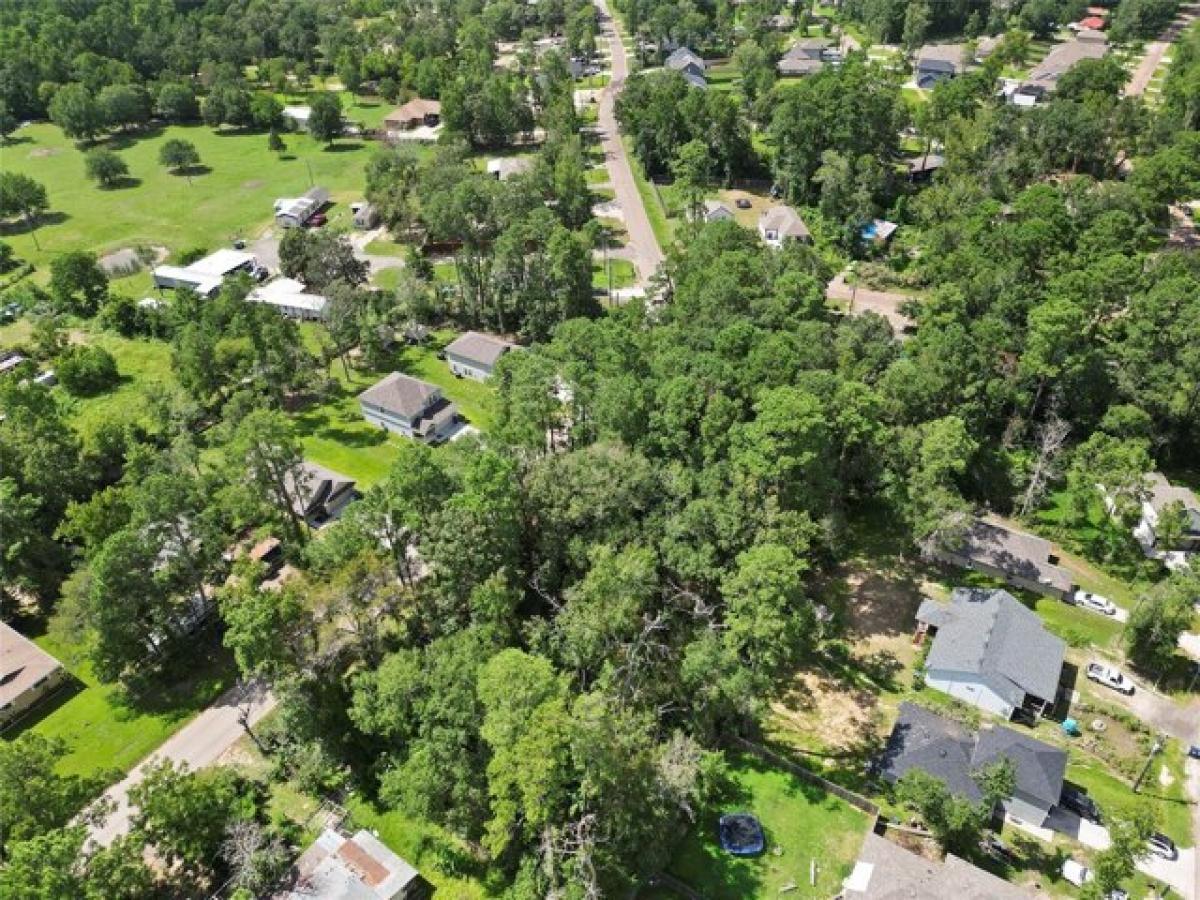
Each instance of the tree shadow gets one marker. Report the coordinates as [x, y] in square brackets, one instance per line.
[15, 140]
[123, 140]
[21, 226]
[193, 171]
[123, 183]
[287, 157]
[44, 708]
[344, 146]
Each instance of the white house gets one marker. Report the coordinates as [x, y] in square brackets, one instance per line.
[991, 651]
[715, 211]
[27, 673]
[409, 407]
[780, 224]
[298, 116]
[206, 275]
[474, 355]
[291, 298]
[295, 212]
[1160, 495]
[503, 168]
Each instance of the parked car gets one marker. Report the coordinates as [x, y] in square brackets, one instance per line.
[1117, 894]
[1077, 801]
[997, 849]
[1109, 677]
[1194, 751]
[743, 203]
[1161, 845]
[1076, 873]
[1095, 603]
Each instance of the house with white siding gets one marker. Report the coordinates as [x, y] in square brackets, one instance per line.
[474, 355]
[27, 673]
[991, 651]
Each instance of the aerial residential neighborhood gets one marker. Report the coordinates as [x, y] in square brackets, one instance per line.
[649, 449]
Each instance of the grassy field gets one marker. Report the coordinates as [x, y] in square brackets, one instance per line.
[623, 274]
[104, 730]
[232, 197]
[802, 824]
[1116, 798]
[334, 433]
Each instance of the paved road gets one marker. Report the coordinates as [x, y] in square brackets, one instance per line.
[886, 303]
[647, 254]
[1156, 50]
[199, 743]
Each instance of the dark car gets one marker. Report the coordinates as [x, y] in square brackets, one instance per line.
[316, 220]
[1161, 845]
[997, 849]
[741, 834]
[1078, 802]
[743, 203]
[1194, 751]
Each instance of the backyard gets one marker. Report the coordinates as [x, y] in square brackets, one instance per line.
[804, 825]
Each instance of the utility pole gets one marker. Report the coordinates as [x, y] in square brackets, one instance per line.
[1155, 749]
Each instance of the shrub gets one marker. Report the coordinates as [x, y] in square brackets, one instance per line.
[86, 371]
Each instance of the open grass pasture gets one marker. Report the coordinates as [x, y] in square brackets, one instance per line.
[230, 196]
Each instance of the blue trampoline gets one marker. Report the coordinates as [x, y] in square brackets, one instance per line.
[741, 834]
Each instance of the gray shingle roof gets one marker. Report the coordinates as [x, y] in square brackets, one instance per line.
[478, 348]
[886, 871]
[921, 739]
[683, 58]
[401, 394]
[1016, 553]
[1039, 767]
[992, 634]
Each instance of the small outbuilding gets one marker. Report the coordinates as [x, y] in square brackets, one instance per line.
[295, 212]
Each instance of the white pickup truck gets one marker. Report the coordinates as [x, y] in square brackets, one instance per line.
[1109, 677]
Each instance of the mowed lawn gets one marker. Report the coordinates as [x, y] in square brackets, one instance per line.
[231, 198]
[105, 731]
[803, 824]
[334, 433]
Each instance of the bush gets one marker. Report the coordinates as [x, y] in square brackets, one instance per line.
[189, 256]
[8, 259]
[86, 371]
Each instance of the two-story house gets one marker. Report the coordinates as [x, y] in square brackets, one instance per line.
[408, 406]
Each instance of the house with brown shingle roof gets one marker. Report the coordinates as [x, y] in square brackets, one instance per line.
[27, 673]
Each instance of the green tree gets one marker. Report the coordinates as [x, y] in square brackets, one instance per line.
[8, 123]
[325, 117]
[87, 370]
[76, 111]
[1160, 619]
[21, 196]
[691, 170]
[105, 167]
[124, 106]
[1118, 862]
[916, 24]
[77, 283]
[180, 156]
[266, 112]
[270, 632]
[275, 143]
[177, 102]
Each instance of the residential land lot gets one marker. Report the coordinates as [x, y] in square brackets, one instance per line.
[804, 826]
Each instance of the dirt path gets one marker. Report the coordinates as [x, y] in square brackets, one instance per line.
[647, 255]
[198, 744]
[861, 299]
[1156, 50]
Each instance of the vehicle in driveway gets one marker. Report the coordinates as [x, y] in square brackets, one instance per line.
[1077, 801]
[1161, 845]
[1095, 603]
[1109, 677]
[1076, 873]
[1194, 751]
[743, 203]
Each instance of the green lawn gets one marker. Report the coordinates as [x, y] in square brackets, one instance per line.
[232, 198]
[802, 823]
[1116, 798]
[334, 433]
[623, 274]
[140, 362]
[103, 731]
[386, 247]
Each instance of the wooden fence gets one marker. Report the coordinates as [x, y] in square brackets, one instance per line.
[856, 800]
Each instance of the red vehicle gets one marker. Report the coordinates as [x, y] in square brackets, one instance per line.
[316, 220]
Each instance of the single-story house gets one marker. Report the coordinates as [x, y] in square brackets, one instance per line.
[298, 116]
[685, 61]
[1044, 77]
[1161, 494]
[503, 168]
[1020, 559]
[318, 495]
[415, 113]
[715, 211]
[474, 355]
[886, 871]
[921, 168]
[938, 62]
[296, 211]
[989, 650]
[410, 407]
[924, 741]
[805, 57]
[291, 298]
[366, 216]
[206, 275]
[27, 673]
[338, 867]
[10, 360]
[779, 224]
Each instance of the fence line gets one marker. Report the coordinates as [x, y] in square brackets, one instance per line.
[856, 800]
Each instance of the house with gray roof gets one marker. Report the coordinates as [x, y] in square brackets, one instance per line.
[410, 407]
[318, 495]
[1161, 495]
[474, 355]
[938, 62]
[924, 741]
[886, 871]
[686, 62]
[1044, 77]
[359, 867]
[1021, 560]
[991, 651]
[804, 57]
[780, 224]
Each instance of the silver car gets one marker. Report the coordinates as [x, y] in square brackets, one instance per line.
[1095, 603]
